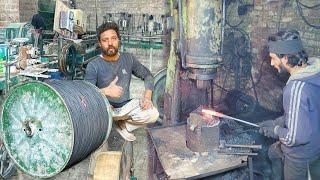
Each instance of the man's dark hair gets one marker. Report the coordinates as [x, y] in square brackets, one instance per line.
[107, 26]
[38, 22]
[293, 59]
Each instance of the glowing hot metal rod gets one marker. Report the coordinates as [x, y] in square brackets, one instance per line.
[218, 114]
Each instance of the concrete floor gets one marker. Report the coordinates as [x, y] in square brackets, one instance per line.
[81, 170]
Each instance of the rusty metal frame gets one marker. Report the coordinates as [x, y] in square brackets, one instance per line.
[165, 152]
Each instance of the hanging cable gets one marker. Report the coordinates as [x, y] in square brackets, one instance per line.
[283, 6]
[309, 7]
[227, 21]
[299, 4]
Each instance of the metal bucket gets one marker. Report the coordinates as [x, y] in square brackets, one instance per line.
[50, 126]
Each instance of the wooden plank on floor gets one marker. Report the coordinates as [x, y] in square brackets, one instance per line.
[107, 166]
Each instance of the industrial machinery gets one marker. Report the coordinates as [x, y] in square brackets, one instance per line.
[67, 38]
[64, 44]
[139, 30]
[190, 143]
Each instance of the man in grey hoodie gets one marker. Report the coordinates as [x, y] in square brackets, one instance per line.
[297, 150]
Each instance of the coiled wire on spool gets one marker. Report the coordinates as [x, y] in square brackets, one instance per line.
[50, 126]
[89, 116]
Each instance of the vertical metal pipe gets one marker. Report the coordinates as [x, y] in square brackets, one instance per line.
[150, 59]
[96, 8]
[223, 24]
[175, 110]
[181, 36]
[211, 94]
[175, 106]
[60, 44]
[7, 68]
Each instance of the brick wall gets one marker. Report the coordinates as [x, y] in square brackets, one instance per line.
[9, 11]
[270, 87]
[263, 20]
[153, 59]
[27, 9]
[17, 11]
[155, 7]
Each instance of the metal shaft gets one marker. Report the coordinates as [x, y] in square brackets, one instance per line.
[239, 153]
[244, 146]
[239, 120]
[218, 114]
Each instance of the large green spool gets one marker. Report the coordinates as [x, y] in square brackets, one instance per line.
[38, 125]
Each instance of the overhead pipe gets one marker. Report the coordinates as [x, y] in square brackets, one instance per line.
[181, 36]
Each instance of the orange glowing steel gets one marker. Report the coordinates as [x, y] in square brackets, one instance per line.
[213, 113]
[217, 114]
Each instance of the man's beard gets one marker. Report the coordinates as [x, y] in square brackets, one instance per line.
[283, 73]
[110, 51]
[282, 69]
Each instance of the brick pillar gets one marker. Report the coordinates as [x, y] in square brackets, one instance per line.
[9, 11]
[27, 9]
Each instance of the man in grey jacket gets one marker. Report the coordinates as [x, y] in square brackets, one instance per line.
[111, 72]
[296, 153]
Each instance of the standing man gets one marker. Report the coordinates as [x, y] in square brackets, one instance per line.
[296, 153]
[38, 24]
[111, 72]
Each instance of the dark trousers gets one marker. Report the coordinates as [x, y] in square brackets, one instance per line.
[283, 168]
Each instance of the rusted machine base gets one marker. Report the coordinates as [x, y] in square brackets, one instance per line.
[201, 137]
[179, 162]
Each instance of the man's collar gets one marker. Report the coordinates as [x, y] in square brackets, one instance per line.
[111, 59]
[310, 70]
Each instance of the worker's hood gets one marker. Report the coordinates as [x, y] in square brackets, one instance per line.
[309, 74]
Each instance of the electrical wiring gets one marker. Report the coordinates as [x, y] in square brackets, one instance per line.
[309, 7]
[299, 7]
[282, 8]
[247, 63]
[227, 21]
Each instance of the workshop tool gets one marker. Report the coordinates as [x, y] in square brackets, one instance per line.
[218, 114]
[223, 144]
[238, 153]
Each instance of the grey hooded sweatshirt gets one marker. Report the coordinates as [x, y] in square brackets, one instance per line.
[300, 136]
